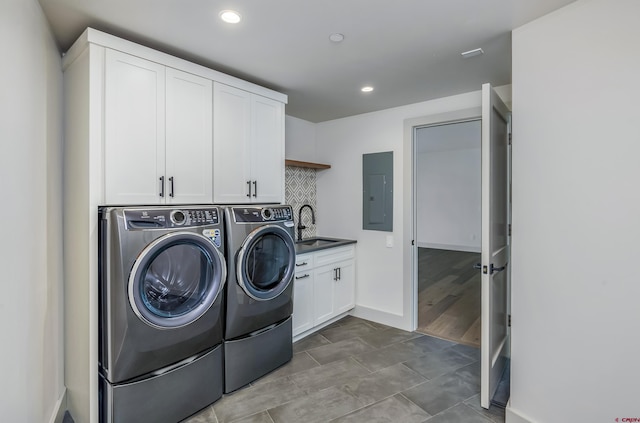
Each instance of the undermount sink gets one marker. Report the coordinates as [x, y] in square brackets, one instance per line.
[316, 242]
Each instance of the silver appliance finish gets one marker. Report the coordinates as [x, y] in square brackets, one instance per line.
[259, 297]
[161, 282]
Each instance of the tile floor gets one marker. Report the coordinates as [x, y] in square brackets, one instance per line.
[359, 371]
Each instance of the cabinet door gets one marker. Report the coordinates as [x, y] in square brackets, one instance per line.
[344, 287]
[323, 287]
[231, 137]
[189, 135]
[134, 137]
[302, 302]
[267, 149]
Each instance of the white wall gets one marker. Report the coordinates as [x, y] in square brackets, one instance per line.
[300, 139]
[448, 189]
[382, 291]
[576, 215]
[31, 356]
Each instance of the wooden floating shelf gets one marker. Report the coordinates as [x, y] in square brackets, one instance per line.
[311, 165]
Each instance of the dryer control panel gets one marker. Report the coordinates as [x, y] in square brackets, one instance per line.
[140, 219]
[262, 214]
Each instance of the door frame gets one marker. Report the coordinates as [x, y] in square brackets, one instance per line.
[410, 248]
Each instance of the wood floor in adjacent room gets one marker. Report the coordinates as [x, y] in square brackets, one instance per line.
[449, 295]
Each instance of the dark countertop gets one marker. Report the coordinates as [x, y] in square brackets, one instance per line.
[309, 245]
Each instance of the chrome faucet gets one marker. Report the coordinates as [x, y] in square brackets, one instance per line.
[300, 225]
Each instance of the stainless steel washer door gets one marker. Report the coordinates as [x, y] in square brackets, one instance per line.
[266, 262]
[176, 279]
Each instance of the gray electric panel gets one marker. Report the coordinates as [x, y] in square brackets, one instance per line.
[377, 191]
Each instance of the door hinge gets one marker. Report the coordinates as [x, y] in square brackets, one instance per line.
[510, 138]
[509, 229]
[509, 321]
[510, 193]
[413, 242]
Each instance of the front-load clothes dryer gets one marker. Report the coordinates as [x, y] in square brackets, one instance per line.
[161, 298]
[259, 299]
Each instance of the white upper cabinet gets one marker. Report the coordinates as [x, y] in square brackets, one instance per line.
[267, 150]
[134, 130]
[232, 135]
[162, 130]
[189, 145]
[248, 152]
[158, 133]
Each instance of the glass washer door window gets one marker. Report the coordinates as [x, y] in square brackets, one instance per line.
[266, 262]
[176, 279]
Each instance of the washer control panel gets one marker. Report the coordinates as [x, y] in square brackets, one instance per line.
[262, 214]
[138, 219]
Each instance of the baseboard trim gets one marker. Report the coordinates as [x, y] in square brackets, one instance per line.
[512, 416]
[314, 329]
[61, 406]
[450, 247]
[367, 313]
[382, 317]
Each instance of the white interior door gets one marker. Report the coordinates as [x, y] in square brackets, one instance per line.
[495, 242]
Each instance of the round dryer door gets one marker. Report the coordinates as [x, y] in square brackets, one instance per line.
[266, 262]
[176, 279]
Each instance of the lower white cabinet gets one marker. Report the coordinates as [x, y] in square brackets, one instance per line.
[303, 303]
[303, 294]
[344, 293]
[324, 286]
[323, 293]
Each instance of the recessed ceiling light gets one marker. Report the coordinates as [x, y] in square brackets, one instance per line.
[366, 89]
[336, 38]
[472, 53]
[230, 16]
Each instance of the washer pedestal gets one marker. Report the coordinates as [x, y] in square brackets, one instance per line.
[250, 358]
[167, 397]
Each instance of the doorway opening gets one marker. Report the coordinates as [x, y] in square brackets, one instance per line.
[495, 119]
[448, 194]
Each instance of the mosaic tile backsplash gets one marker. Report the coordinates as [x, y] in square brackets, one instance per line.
[300, 189]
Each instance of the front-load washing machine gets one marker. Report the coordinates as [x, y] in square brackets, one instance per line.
[162, 274]
[259, 298]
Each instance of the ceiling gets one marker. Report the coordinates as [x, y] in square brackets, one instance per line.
[408, 50]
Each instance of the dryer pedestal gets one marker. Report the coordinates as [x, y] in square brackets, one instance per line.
[168, 397]
[251, 357]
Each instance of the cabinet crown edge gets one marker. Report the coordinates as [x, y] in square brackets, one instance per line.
[103, 39]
